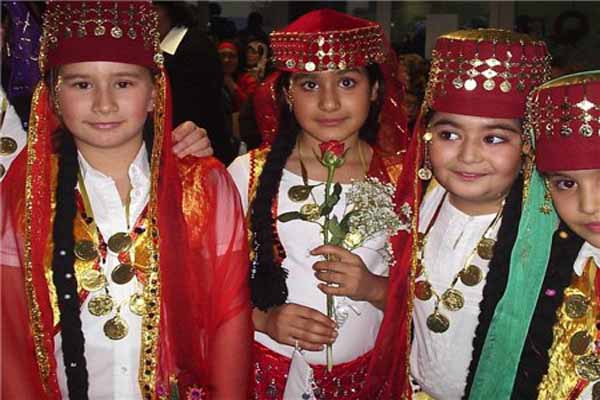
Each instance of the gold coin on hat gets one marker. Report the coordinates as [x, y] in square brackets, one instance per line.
[580, 342]
[100, 305]
[423, 290]
[438, 322]
[453, 299]
[119, 242]
[489, 84]
[116, 328]
[576, 306]
[485, 248]
[588, 367]
[8, 146]
[137, 304]
[505, 87]
[2, 170]
[122, 274]
[92, 280]
[471, 84]
[471, 275]
[85, 250]
[458, 83]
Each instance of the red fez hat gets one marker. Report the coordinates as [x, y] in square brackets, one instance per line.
[565, 116]
[485, 72]
[325, 40]
[117, 31]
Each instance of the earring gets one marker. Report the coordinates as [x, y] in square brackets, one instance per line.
[424, 173]
[57, 87]
[546, 205]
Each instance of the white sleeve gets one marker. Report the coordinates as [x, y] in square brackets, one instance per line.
[239, 170]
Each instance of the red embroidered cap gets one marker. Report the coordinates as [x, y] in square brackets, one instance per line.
[117, 31]
[485, 72]
[325, 40]
[565, 116]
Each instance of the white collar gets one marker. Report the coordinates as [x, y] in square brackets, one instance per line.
[139, 167]
[584, 255]
[173, 39]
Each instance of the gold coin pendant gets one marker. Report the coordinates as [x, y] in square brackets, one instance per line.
[580, 342]
[8, 146]
[423, 290]
[299, 193]
[137, 304]
[122, 274]
[471, 275]
[596, 391]
[588, 367]
[100, 305]
[453, 299]
[438, 322]
[485, 248]
[116, 328]
[119, 242]
[85, 250]
[576, 306]
[92, 280]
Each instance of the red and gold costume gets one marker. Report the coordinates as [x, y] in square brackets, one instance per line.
[195, 268]
[325, 40]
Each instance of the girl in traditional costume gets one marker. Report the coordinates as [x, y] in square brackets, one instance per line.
[472, 143]
[555, 258]
[324, 156]
[119, 278]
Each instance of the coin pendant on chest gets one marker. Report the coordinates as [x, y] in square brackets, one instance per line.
[116, 328]
[580, 342]
[485, 248]
[471, 275]
[92, 280]
[85, 250]
[437, 322]
[299, 193]
[576, 306]
[588, 367]
[137, 304]
[119, 242]
[423, 290]
[122, 274]
[453, 299]
[100, 305]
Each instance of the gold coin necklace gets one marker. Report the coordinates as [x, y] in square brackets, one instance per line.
[470, 275]
[95, 281]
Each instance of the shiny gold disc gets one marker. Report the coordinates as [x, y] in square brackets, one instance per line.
[437, 322]
[85, 250]
[100, 305]
[489, 84]
[470, 84]
[505, 86]
[122, 274]
[471, 275]
[588, 367]
[576, 306]
[299, 193]
[8, 146]
[580, 342]
[119, 242]
[116, 328]
[485, 248]
[137, 304]
[453, 299]
[423, 290]
[92, 280]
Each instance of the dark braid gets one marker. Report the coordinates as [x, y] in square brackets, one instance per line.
[63, 274]
[268, 278]
[535, 358]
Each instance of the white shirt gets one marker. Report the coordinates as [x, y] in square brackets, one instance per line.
[173, 39]
[357, 334]
[11, 128]
[112, 364]
[587, 251]
[439, 362]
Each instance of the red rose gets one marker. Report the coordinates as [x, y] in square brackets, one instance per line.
[334, 146]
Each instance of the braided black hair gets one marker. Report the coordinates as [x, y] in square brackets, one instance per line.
[268, 278]
[63, 272]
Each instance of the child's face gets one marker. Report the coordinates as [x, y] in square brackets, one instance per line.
[476, 159]
[332, 105]
[104, 104]
[576, 196]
